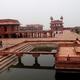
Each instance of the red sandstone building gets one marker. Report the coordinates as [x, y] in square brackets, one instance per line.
[10, 28]
[31, 27]
[56, 25]
[31, 31]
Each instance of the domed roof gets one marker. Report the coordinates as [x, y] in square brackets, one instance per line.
[9, 22]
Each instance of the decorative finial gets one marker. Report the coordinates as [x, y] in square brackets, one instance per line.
[51, 18]
[61, 17]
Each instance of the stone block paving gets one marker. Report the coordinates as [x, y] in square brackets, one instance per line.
[66, 35]
[10, 42]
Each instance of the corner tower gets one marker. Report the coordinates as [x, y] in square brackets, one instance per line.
[56, 25]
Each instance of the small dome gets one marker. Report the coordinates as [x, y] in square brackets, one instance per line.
[61, 17]
[51, 18]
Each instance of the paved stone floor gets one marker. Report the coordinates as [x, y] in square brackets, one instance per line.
[10, 42]
[67, 35]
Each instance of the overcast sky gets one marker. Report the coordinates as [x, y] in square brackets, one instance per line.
[39, 11]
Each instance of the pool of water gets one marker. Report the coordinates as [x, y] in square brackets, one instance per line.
[30, 68]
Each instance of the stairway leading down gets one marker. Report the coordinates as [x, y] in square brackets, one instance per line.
[7, 61]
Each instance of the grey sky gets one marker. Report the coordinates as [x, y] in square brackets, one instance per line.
[39, 11]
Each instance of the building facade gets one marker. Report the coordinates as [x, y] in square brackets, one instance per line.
[31, 31]
[56, 25]
[10, 28]
[31, 27]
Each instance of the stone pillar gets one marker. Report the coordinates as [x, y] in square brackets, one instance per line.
[23, 35]
[38, 35]
[20, 62]
[46, 34]
[42, 34]
[32, 34]
[36, 59]
[35, 35]
[36, 64]
[17, 35]
[29, 35]
[50, 33]
[26, 35]
[19, 59]
[1, 44]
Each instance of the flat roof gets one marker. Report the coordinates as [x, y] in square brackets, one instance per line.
[9, 21]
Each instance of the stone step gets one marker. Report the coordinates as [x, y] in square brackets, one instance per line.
[24, 48]
[7, 59]
[7, 63]
[1, 57]
[27, 48]
[4, 57]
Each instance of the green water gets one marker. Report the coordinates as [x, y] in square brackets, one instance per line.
[26, 70]
[31, 73]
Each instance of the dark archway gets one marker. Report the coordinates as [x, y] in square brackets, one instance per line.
[6, 36]
[13, 36]
[0, 36]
